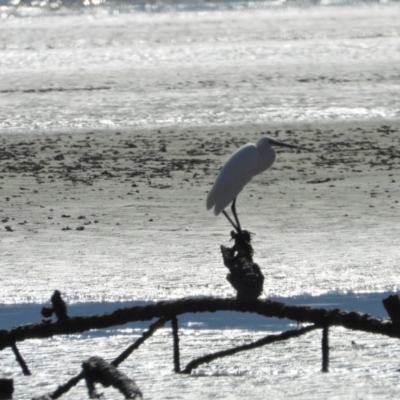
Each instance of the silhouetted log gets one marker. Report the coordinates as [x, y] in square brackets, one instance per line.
[122, 357]
[6, 389]
[325, 349]
[258, 343]
[244, 275]
[175, 335]
[20, 360]
[392, 306]
[98, 370]
[59, 308]
[268, 308]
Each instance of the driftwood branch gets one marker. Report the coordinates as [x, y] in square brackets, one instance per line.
[258, 343]
[167, 309]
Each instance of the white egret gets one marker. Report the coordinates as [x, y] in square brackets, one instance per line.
[247, 162]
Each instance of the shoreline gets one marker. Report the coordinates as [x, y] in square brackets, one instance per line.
[235, 126]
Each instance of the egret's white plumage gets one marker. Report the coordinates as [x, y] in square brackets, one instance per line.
[247, 162]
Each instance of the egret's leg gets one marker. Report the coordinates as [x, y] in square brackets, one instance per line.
[230, 220]
[239, 229]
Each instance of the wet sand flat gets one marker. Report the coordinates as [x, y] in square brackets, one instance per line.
[96, 212]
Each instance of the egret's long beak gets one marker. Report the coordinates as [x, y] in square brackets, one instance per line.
[291, 146]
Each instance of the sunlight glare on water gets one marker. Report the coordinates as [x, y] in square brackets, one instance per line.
[199, 68]
[288, 369]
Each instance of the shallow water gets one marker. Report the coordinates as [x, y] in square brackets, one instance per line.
[361, 365]
[286, 370]
[98, 68]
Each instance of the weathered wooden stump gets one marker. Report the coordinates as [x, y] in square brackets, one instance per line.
[244, 275]
[98, 370]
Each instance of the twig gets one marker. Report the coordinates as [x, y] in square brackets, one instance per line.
[258, 343]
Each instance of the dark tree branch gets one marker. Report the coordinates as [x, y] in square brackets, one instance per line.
[175, 335]
[20, 360]
[258, 343]
[350, 320]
